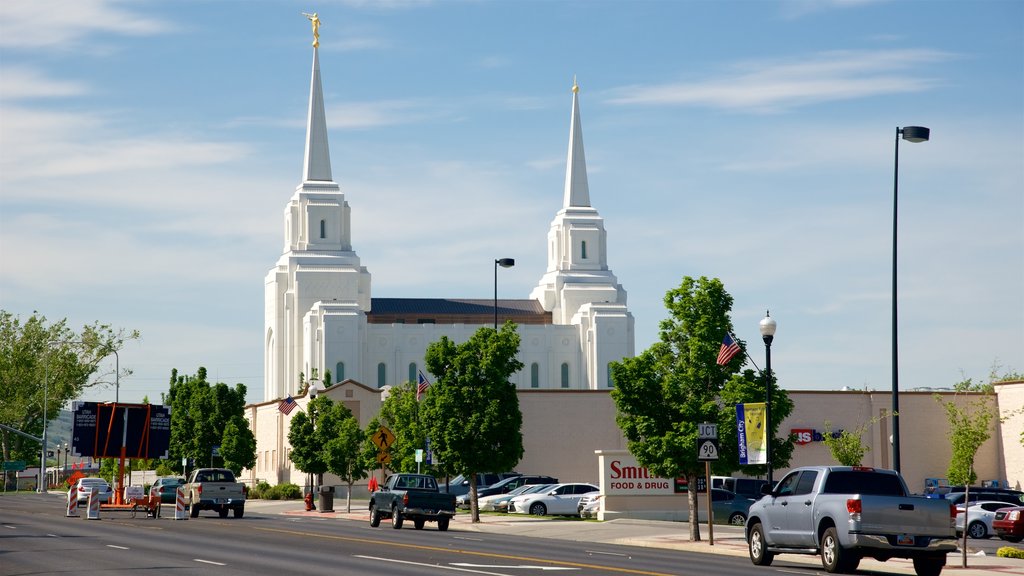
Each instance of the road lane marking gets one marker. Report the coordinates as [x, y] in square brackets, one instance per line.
[118, 547]
[209, 562]
[392, 544]
[607, 553]
[441, 566]
[517, 567]
[470, 539]
[9, 526]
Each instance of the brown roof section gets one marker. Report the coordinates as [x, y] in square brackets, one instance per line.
[454, 311]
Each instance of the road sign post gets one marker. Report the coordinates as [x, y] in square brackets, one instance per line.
[707, 450]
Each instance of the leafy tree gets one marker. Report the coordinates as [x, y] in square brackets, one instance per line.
[471, 412]
[342, 439]
[742, 388]
[847, 447]
[401, 414]
[663, 394]
[238, 445]
[302, 436]
[201, 417]
[970, 426]
[34, 352]
[368, 450]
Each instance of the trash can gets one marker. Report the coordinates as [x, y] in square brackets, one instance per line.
[326, 499]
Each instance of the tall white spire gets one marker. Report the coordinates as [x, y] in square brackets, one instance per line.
[577, 193]
[317, 162]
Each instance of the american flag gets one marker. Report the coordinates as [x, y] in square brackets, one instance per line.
[287, 405]
[728, 350]
[422, 386]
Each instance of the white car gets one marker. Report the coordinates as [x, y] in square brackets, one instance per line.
[979, 517]
[84, 486]
[561, 499]
[499, 502]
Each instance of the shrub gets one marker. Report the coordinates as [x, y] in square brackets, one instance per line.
[260, 490]
[284, 492]
[1010, 552]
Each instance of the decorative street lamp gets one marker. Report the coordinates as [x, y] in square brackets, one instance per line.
[768, 334]
[910, 134]
[504, 263]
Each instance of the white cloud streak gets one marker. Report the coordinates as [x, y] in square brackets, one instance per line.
[26, 24]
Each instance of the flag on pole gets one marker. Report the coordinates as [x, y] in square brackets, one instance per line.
[422, 385]
[287, 405]
[728, 350]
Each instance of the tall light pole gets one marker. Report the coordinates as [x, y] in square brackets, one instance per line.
[315, 388]
[910, 134]
[767, 327]
[504, 263]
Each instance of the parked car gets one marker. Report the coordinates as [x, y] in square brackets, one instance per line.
[956, 495]
[589, 505]
[561, 499]
[730, 507]
[166, 489]
[499, 502]
[84, 486]
[503, 486]
[745, 487]
[1008, 523]
[979, 516]
[460, 484]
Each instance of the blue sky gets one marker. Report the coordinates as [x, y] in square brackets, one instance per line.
[147, 151]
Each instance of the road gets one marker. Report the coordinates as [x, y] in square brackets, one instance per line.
[36, 538]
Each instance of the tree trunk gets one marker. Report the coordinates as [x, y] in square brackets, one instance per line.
[472, 498]
[691, 499]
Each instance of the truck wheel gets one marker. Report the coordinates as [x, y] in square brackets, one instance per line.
[193, 509]
[759, 553]
[374, 516]
[239, 512]
[442, 523]
[419, 524]
[396, 518]
[223, 512]
[977, 530]
[834, 558]
[929, 565]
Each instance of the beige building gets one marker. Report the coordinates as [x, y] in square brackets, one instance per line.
[563, 430]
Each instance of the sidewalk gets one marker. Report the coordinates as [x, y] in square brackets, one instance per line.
[645, 533]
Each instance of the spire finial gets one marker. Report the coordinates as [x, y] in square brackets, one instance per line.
[315, 21]
[575, 86]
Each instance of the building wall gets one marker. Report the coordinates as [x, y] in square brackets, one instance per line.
[562, 430]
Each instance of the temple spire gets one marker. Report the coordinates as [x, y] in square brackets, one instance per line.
[317, 162]
[577, 193]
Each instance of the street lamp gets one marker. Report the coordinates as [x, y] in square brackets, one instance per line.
[768, 334]
[315, 388]
[910, 134]
[504, 263]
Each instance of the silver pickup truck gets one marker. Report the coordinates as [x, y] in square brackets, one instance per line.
[215, 489]
[847, 513]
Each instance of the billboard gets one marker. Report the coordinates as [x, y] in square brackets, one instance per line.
[98, 430]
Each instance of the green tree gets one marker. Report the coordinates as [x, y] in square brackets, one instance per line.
[368, 451]
[342, 440]
[471, 411]
[401, 414]
[238, 445]
[970, 426]
[847, 447]
[302, 436]
[35, 352]
[663, 394]
[201, 415]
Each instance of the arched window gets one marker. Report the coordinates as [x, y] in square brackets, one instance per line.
[382, 372]
[339, 372]
[323, 229]
[534, 375]
[565, 374]
[583, 250]
[611, 381]
[412, 372]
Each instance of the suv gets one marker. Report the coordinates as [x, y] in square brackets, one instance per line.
[504, 487]
[1012, 497]
[460, 484]
[745, 487]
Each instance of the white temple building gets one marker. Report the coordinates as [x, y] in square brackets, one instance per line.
[320, 315]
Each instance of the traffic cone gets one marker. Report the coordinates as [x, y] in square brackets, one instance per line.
[179, 504]
[72, 511]
[94, 505]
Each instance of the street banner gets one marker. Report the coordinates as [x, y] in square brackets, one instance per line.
[750, 423]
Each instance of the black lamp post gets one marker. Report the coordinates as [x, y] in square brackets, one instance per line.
[504, 263]
[768, 334]
[910, 134]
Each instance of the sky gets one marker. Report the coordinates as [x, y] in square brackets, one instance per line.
[148, 150]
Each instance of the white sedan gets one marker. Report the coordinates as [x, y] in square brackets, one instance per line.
[979, 517]
[557, 499]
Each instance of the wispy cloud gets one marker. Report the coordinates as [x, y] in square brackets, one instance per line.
[26, 83]
[28, 24]
[775, 86]
[793, 9]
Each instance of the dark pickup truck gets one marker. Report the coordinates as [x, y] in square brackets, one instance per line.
[414, 497]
